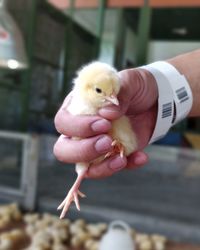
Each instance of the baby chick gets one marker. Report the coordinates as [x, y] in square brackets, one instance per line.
[96, 86]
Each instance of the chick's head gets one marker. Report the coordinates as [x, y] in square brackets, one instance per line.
[98, 84]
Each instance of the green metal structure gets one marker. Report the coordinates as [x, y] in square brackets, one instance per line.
[100, 26]
[67, 47]
[26, 75]
[143, 34]
[142, 25]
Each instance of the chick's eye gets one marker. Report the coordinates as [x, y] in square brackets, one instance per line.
[98, 90]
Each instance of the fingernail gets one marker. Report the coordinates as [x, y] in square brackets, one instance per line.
[103, 144]
[110, 112]
[117, 163]
[112, 109]
[101, 126]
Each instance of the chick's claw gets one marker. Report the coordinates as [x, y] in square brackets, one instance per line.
[81, 194]
[122, 153]
[71, 196]
[118, 148]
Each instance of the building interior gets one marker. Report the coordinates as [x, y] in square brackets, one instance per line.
[42, 45]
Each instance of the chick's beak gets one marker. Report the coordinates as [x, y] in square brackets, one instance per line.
[113, 99]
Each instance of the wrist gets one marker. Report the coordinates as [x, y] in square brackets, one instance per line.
[174, 99]
[188, 64]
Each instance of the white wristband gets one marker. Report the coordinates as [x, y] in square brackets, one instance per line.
[172, 88]
[181, 90]
[165, 105]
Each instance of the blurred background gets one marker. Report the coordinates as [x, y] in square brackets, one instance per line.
[42, 44]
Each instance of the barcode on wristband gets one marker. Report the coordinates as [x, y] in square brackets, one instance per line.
[166, 110]
[182, 94]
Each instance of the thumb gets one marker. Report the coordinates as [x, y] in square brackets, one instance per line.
[111, 112]
[138, 93]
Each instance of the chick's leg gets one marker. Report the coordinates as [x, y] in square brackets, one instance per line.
[74, 192]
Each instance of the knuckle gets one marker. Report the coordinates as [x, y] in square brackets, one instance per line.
[84, 154]
[57, 122]
[81, 128]
[87, 151]
[100, 171]
[57, 152]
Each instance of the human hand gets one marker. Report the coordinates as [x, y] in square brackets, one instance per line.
[138, 100]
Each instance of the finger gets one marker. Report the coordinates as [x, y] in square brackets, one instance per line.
[143, 126]
[128, 87]
[138, 93]
[113, 112]
[137, 159]
[107, 167]
[80, 125]
[84, 150]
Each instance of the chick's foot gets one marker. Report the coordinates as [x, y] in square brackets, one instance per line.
[73, 195]
[118, 148]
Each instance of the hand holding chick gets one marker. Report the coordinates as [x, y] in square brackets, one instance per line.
[99, 106]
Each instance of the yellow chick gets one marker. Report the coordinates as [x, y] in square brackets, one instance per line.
[97, 85]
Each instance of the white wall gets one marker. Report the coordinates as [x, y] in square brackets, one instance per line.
[107, 52]
[158, 50]
[161, 50]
